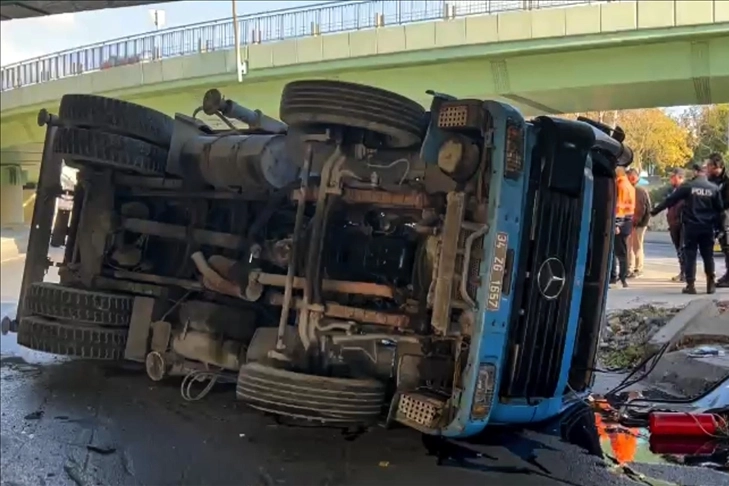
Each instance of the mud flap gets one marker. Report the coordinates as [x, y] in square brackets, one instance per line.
[138, 337]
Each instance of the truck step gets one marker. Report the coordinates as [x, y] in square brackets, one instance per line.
[420, 411]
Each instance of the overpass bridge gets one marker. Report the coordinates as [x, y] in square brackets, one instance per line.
[542, 56]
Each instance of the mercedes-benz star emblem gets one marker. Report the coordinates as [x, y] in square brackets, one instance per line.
[551, 278]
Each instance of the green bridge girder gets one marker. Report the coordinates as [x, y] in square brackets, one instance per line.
[634, 69]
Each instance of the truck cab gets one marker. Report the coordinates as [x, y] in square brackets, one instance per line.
[359, 260]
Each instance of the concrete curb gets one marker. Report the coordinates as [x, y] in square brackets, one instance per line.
[686, 322]
[13, 244]
[655, 237]
[9, 250]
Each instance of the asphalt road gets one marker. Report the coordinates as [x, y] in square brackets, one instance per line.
[75, 423]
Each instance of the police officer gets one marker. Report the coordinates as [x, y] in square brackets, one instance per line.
[717, 175]
[702, 214]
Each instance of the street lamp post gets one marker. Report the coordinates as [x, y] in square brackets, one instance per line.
[158, 18]
[236, 35]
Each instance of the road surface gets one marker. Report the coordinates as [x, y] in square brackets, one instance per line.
[73, 423]
[655, 286]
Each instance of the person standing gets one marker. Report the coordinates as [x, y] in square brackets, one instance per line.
[636, 255]
[696, 170]
[702, 214]
[717, 175]
[675, 228]
[624, 211]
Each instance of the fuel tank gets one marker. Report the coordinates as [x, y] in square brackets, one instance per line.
[240, 161]
[230, 160]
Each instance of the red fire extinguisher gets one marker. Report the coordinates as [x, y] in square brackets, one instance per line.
[683, 446]
[684, 424]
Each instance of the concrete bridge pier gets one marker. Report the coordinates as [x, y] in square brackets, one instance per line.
[11, 196]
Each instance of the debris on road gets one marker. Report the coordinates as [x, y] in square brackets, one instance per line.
[723, 306]
[37, 415]
[703, 351]
[77, 474]
[627, 333]
[101, 449]
[632, 334]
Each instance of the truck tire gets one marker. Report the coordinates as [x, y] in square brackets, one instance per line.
[316, 399]
[77, 340]
[116, 116]
[399, 119]
[79, 146]
[77, 305]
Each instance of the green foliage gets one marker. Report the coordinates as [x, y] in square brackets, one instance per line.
[708, 129]
[659, 142]
[659, 193]
[622, 359]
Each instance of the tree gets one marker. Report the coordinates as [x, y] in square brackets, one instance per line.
[708, 127]
[658, 141]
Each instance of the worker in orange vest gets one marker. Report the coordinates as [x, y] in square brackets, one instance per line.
[624, 211]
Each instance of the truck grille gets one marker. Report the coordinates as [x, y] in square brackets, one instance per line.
[538, 326]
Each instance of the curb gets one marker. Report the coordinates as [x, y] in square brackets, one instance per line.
[676, 329]
[658, 242]
[12, 248]
[653, 238]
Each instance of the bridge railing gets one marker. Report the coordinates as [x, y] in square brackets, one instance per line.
[274, 26]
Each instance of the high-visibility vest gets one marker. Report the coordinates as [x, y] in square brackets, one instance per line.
[625, 200]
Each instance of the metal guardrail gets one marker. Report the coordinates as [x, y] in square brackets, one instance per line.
[274, 26]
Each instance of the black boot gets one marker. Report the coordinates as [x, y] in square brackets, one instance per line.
[690, 288]
[710, 284]
[723, 282]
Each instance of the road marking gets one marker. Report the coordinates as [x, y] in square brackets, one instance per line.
[12, 259]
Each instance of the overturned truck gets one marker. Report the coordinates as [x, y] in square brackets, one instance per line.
[361, 260]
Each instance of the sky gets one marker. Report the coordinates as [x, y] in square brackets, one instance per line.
[28, 38]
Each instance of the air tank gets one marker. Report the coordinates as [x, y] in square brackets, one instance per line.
[239, 161]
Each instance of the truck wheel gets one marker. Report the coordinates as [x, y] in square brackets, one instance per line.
[78, 340]
[78, 306]
[117, 116]
[317, 399]
[397, 118]
[79, 146]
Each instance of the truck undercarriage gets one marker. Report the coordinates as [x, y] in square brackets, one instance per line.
[333, 264]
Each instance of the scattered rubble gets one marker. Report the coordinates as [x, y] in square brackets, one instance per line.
[627, 333]
[723, 306]
[631, 334]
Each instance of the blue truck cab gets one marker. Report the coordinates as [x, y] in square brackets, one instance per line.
[544, 273]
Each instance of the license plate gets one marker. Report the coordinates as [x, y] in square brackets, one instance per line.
[496, 277]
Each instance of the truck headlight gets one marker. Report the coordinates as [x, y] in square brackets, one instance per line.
[484, 394]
